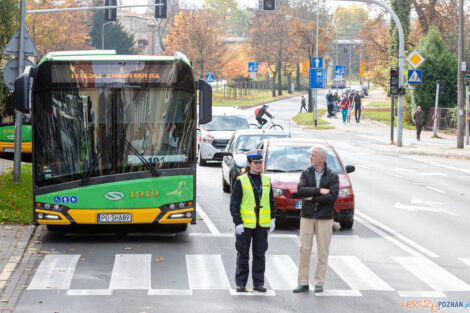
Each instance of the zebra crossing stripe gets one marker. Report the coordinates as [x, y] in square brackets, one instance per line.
[131, 271]
[422, 294]
[170, 292]
[339, 293]
[356, 274]
[206, 271]
[281, 272]
[432, 274]
[89, 292]
[55, 272]
[465, 260]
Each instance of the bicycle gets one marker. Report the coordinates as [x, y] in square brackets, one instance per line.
[269, 125]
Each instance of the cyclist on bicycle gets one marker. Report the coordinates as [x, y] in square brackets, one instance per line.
[260, 113]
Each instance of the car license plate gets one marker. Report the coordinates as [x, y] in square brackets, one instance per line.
[298, 204]
[8, 150]
[114, 218]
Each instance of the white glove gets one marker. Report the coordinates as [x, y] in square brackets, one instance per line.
[273, 225]
[239, 229]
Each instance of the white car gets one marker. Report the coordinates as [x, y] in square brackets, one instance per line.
[213, 137]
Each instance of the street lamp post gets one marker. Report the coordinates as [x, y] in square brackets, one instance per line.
[315, 108]
[102, 34]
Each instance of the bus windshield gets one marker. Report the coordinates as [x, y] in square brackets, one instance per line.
[109, 130]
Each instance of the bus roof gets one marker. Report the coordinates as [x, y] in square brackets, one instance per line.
[108, 55]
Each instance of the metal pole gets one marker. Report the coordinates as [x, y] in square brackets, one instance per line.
[460, 82]
[401, 63]
[435, 108]
[360, 67]
[316, 55]
[350, 55]
[467, 99]
[392, 120]
[19, 115]
[102, 34]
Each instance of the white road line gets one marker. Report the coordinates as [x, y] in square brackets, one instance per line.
[131, 271]
[206, 271]
[170, 292]
[422, 294]
[465, 260]
[435, 189]
[407, 170]
[89, 292]
[281, 272]
[396, 235]
[339, 293]
[268, 293]
[223, 235]
[356, 274]
[55, 272]
[395, 175]
[213, 229]
[450, 167]
[432, 274]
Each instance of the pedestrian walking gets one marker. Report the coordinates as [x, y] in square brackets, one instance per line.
[419, 122]
[336, 106]
[330, 102]
[302, 104]
[357, 106]
[319, 188]
[344, 106]
[253, 213]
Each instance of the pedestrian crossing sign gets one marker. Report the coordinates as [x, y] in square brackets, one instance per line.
[415, 77]
[210, 78]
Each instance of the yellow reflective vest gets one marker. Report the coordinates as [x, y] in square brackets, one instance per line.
[248, 204]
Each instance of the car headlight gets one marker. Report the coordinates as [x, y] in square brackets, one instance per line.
[345, 192]
[208, 139]
[278, 192]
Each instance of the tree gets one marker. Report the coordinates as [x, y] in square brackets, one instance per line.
[60, 30]
[440, 64]
[402, 9]
[352, 16]
[194, 34]
[115, 37]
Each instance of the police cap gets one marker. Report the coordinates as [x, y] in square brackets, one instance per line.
[254, 155]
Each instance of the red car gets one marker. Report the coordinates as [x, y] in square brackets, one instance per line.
[285, 159]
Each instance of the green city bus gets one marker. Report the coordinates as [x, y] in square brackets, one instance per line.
[114, 138]
[7, 130]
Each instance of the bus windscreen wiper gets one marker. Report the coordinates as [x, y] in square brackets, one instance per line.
[90, 170]
[141, 158]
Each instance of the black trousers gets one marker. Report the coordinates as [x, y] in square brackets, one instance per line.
[330, 110]
[357, 114]
[418, 131]
[262, 121]
[259, 236]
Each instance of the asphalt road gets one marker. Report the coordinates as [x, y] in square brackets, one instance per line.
[409, 242]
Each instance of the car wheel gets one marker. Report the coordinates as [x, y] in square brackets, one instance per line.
[202, 162]
[225, 186]
[346, 225]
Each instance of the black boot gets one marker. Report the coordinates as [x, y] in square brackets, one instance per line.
[301, 288]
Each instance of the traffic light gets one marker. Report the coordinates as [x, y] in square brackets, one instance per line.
[160, 11]
[394, 79]
[442, 88]
[346, 49]
[269, 5]
[110, 14]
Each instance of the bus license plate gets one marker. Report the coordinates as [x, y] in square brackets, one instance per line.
[298, 204]
[8, 150]
[114, 218]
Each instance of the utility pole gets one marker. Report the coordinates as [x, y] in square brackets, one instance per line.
[315, 108]
[436, 105]
[467, 118]
[350, 54]
[460, 82]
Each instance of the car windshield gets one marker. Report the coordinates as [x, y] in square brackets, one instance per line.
[296, 159]
[251, 142]
[228, 123]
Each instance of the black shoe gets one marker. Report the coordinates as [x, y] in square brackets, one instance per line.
[301, 288]
[241, 289]
[318, 288]
[259, 288]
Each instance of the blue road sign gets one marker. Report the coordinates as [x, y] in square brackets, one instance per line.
[317, 62]
[340, 69]
[210, 78]
[316, 78]
[252, 67]
[415, 77]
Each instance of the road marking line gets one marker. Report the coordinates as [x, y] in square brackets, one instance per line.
[435, 189]
[356, 274]
[131, 271]
[206, 271]
[450, 167]
[422, 294]
[281, 272]
[339, 293]
[222, 235]
[401, 169]
[89, 292]
[395, 175]
[394, 234]
[170, 292]
[268, 293]
[465, 260]
[432, 274]
[55, 272]
[213, 229]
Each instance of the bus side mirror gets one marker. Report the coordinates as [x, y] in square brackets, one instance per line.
[205, 102]
[21, 95]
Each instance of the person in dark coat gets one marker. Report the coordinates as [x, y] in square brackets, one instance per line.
[263, 111]
[319, 188]
[303, 104]
[419, 122]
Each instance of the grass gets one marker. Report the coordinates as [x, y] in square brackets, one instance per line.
[384, 117]
[264, 96]
[307, 119]
[16, 199]
[379, 104]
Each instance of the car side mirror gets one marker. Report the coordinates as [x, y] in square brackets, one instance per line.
[350, 168]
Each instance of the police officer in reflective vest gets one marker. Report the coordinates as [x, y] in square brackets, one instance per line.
[253, 212]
